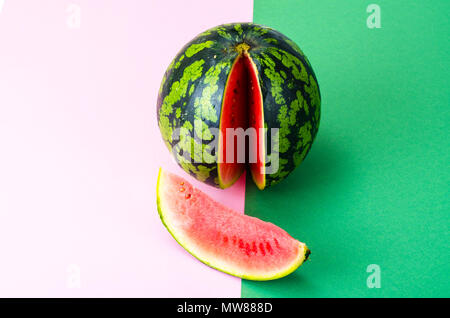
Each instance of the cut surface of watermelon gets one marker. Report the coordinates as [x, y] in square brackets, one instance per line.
[225, 239]
[233, 116]
[242, 107]
[256, 121]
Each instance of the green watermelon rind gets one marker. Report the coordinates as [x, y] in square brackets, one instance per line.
[303, 254]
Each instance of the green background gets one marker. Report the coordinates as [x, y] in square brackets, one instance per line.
[374, 189]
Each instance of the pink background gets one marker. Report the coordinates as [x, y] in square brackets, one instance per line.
[80, 149]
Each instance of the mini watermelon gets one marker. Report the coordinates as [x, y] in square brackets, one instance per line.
[239, 75]
[224, 239]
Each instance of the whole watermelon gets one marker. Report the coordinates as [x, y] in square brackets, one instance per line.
[198, 84]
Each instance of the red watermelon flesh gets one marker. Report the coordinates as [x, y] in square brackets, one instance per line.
[234, 115]
[222, 238]
[256, 121]
[242, 107]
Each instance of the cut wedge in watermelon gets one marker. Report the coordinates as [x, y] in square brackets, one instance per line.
[242, 108]
[222, 238]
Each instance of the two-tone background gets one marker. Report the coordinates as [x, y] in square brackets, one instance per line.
[80, 149]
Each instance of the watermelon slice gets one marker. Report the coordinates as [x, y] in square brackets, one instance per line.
[222, 238]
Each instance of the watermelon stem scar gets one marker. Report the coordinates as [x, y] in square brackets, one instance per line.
[224, 239]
